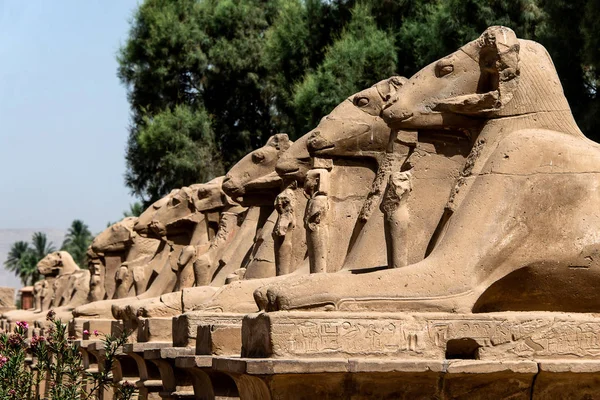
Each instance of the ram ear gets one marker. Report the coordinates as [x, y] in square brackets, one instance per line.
[280, 141]
[497, 51]
[388, 87]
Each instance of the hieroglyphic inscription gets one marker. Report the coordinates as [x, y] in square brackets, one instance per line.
[355, 337]
[498, 337]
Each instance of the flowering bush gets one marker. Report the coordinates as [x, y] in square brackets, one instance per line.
[56, 360]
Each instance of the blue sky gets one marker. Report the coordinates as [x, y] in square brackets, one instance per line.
[63, 113]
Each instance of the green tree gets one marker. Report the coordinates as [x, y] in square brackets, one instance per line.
[178, 148]
[20, 261]
[76, 242]
[251, 68]
[135, 210]
[41, 246]
[23, 258]
[295, 45]
[193, 62]
[570, 34]
[437, 28]
[362, 56]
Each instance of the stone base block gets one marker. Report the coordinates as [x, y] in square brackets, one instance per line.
[155, 329]
[385, 378]
[214, 330]
[219, 339]
[379, 379]
[154, 347]
[76, 328]
[497, 336]
[78, 325]
[99, 326]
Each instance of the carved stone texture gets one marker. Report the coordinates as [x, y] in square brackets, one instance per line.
[316, 188]
[110, 247]
[494, 249]
[397, 218]
[252, 180]
[493, 336]
[97, 276]
[168, 235]
[222, 233]
[39, 294]
[7, 298]
[65, 287]
[285, 204]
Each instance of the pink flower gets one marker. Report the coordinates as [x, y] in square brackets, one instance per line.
[22, 324]
[3, 361]
[35, 340]
[95, 332]
[86, 332]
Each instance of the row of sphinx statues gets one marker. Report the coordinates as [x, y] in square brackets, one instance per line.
[466, 188]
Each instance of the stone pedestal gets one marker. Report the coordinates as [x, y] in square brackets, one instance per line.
[331, 355]
[7, 299]
[209, 333]
[155, 329]
[494, 336]
[379, 378]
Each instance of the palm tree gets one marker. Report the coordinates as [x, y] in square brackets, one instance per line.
[28, 272]
[40, 245]
[17, 259]
[15, 254]
[77, 240]
[22, 261]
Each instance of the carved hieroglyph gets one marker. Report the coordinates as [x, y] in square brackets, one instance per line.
[496, 336]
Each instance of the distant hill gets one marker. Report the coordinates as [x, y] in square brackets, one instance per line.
[9, 236]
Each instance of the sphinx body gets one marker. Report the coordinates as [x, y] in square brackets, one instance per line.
[222, 258]
[65, 287]
[495, 249]
[118, 259]
[172, 226]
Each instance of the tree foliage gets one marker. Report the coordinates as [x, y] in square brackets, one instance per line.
[77, 241]
[362, 56]
[135, 210]
[23, 258]
[220, 76]
[177, 147]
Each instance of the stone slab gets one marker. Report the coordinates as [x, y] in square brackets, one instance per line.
[155, 329]
[194, 361]
[143, 347]
[497, 336]
[219, 339]
[252, 366]
[7, 299]
[102, 326]
[384, 378]
[185, 327]
[174, 352]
